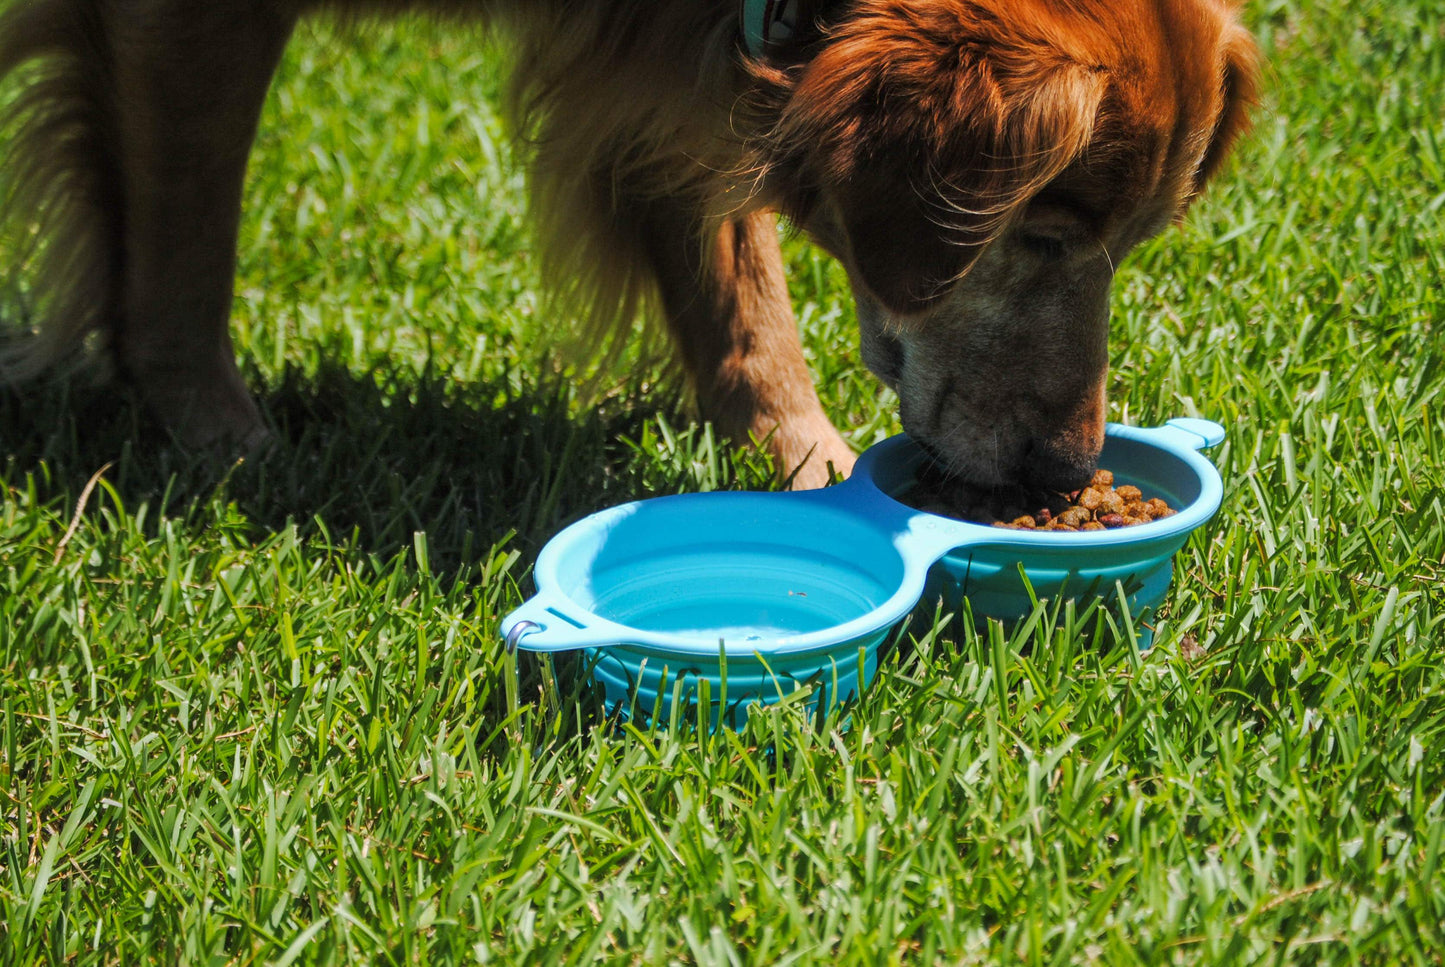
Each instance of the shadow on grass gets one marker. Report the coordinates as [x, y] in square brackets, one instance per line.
[363, 461]
[369, 458]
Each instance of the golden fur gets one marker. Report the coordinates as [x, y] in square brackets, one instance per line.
[964, 159]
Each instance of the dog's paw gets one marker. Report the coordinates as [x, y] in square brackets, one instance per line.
[216, 415]
[810, 460]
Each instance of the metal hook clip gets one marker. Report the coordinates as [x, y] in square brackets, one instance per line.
[519, 631]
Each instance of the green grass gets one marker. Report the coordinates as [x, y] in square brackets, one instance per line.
[261, 714]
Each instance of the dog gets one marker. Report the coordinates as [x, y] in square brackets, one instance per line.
[979, 167]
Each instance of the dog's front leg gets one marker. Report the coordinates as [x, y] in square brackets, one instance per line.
[190, 81]
[729, 313]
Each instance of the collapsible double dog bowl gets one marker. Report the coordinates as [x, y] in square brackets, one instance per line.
[761, 594]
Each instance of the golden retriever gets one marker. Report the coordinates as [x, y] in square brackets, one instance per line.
[978, 166]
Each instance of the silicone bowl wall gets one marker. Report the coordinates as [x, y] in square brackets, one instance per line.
[1071, 566]
[645, 684]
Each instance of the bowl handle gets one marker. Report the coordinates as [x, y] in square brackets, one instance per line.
[1180, 433]
[545, 622]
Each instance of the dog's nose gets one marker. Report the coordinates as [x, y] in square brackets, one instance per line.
[1057, 469]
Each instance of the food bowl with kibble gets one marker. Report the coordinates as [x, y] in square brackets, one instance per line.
[747, 599]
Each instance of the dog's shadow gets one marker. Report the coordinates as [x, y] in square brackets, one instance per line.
[360, 462]
[368, 458]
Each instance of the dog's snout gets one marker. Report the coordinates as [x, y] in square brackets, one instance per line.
[1056, 468]
[932, 453]
[882, 351]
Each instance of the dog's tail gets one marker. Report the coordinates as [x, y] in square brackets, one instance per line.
[61, 204]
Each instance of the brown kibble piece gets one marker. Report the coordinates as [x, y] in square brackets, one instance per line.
[1111, 504]
[1157, 508]
[1025, 522]
[1130, 493]
[1073, 517]
[1090, 498]
[1092, 525]
[1112, 520]
[1103, 479]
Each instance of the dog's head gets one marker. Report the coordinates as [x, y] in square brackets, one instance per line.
[980, 167]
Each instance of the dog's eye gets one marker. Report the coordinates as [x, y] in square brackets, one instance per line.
[1050, 248]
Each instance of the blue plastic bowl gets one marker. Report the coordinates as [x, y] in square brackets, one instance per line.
[761, 594]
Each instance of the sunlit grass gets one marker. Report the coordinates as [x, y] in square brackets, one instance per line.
[260, 713]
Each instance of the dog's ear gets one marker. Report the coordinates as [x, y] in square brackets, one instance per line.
[1240, 80]
[929, 141]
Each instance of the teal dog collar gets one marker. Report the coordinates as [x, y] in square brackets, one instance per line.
[766, 23]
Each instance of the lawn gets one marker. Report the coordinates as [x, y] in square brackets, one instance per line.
[260, 713]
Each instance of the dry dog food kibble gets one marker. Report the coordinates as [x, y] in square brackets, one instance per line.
[1098, 506]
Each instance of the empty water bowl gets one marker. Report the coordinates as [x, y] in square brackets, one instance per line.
[758, 595]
